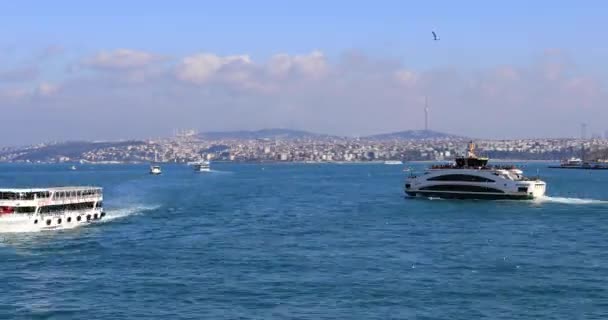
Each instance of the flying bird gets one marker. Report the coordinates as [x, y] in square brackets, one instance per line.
[435, 37]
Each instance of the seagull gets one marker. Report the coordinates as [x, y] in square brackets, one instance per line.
[435, 36]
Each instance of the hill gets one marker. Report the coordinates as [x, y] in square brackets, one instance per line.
[73, 149]
[412, 135]
[284, 134]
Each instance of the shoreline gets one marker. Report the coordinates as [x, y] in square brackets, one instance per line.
[272, 162]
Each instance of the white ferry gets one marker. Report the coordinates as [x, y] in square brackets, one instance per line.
[155, 170]
[471, 178]
[27, 210]
[202, 166]
[393, 162]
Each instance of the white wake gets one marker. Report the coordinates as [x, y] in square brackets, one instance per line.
[565, 200]
[119, 213]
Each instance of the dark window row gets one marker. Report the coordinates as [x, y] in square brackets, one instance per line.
[24, 195]
[67, 207]
[462, 188]
[25, 209]
[460, 177]
[76, 193]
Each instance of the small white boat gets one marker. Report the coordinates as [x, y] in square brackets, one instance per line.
[28, 210]
[202, 166]
[73, 168]
[393, 162]
[155, 168]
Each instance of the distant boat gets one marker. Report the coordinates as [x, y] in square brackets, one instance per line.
[581, 163]
[393, 162]
[73, 168]
[202, 166]
[575, 163]
[155, 169]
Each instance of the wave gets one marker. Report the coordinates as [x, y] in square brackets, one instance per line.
[118, 213]
[565, 200]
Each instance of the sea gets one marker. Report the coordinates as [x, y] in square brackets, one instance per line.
[307, 241]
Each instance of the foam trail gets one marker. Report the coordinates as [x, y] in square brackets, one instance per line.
[219, 171]
[564, 200]
[118, 213]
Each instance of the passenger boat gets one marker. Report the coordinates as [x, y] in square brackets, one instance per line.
[470, 177]
[26, 210]
[155, 168]
[576, 163]
[393, 162]
[202, 166]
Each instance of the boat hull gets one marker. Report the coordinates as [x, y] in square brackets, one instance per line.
[14, 223]
[469, 196]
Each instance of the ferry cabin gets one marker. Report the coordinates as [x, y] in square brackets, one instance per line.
[52, 202]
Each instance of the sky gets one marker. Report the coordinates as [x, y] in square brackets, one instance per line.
[108, 70]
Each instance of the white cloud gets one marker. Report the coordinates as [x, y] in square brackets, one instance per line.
[47, 89]
[200, 68]
[11, 94]
[406, 77]
[312, 65]
[353, 94]
[122, 59]
[19, 74]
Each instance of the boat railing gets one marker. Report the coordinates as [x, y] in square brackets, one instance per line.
[453, 166]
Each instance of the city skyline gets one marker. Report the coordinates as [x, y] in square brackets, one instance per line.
[138, 70]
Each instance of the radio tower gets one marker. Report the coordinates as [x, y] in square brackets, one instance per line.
[583, 131]
[426, 114]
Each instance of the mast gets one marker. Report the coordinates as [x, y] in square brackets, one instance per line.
[583, 137]
[426, 113]
[471, 150]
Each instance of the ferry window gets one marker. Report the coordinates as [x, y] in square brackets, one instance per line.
[7, 196]
[462, 188]
[100, 204]
[460, 177]
[26, 196]
[25, 209]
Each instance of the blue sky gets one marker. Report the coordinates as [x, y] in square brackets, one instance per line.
[478, 32]
[476, 36]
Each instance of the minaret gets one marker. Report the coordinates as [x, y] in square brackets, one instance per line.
[583, 131]
[426, 114]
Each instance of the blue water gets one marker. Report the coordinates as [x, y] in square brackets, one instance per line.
[308, 242]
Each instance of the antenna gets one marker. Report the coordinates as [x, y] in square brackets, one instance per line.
[583, 131]
[426, 113]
